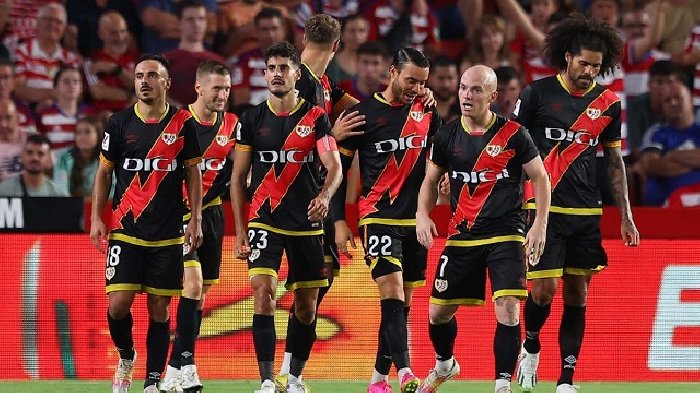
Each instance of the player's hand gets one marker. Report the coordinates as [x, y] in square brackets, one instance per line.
[346, 124]
[343, 234]
[98, 235]
[318, 208]
[534, 241]
[242, 246]
[193, 234]
[427, 97]
[444, 185]
[425, 230]
[630, 235]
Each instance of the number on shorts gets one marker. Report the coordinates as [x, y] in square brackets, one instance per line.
[375, 241]
[262, 240]
[443, 258]
[113, 257]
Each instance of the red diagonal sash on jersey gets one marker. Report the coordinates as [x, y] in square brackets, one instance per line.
[275, 187]
[592, 121]
[394, 175]
[137, 196]
[470, 204]
[219, 148]
[327, 103]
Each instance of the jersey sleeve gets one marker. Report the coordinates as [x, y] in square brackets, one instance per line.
[244, 133]
[111, 142]
[435, 123]
[438, 151]
[612, 134]
[323, 126]
[525, 149]
[191, 153]
[525, 107]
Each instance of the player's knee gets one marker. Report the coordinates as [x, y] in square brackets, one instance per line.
[200, 305]
[158, 309]
[264, 298]
[192, 289]
[543, 290]
[508, 310]
[118, 310]
[575, 295]
[439, 315]
[305, 314]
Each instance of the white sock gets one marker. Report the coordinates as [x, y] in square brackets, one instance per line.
[501, 383]
[377, 377]
[284, 370]
[403, 372]
[292, 379]
[443, 366]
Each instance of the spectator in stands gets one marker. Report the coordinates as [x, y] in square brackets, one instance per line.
[190, 52]
[671, 152]
[12, 139]
[247, 77]
[399, 24]
[690, 57]
[370, 70]
[18, 21]
[444, 82]
[237, 28]
[25, 117]
[109, 71]
[355, 32]
[524, 49]
[75, 168]
[85, 15]
[648, 106]
[681, 16]
[38, 59]
[57, 122]
[161, 27]
[32, 181]
[606, 10]
[489, 46]
[508, 87]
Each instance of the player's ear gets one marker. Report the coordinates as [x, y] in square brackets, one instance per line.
[393, 72]
[336, 45]
[298, 73]
[568, 57]
[168, 82]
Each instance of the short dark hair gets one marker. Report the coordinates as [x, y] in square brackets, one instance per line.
[5, 61]
[443, 61]
[159, 57]
[372, 48]
[322, 29]
[62, 70]
[267, 13]
[185, 4]
[409, 55]
[283, 49]
[668, 68]
[38, 139]
[576, 32]
[506, 74]
[351, 18]
[212, 67]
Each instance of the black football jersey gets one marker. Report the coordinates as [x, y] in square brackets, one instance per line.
[567, 128]
[392, 153]
[148, 158]
[285, 165]
[320, 91]
[216, 141]
[485, 171]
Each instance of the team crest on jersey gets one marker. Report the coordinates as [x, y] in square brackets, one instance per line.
[593, 113]
[221, 140]
[105, 142]
[303, 131]
[109, 273]
[254, 254]
[417, 115]
[326, 95]
[493, 150]
[440, 285]
[169, 138]
[186, 249]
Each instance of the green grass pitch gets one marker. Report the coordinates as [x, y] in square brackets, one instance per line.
[347, 387]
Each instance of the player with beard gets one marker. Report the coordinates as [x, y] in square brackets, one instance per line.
[216, 132]
[282, 142]
[151, 153]
[392, 153]
[568, 115]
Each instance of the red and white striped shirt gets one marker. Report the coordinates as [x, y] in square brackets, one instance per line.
[615, 82]
[693, 44]
[38, 66]
[58, 126]
[637, 70]
[21, 21]
[382, 17]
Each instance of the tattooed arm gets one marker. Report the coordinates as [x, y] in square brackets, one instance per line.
[618, 181]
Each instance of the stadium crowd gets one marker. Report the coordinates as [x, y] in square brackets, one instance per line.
[61, 61]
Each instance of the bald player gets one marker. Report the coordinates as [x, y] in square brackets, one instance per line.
[484, 155]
